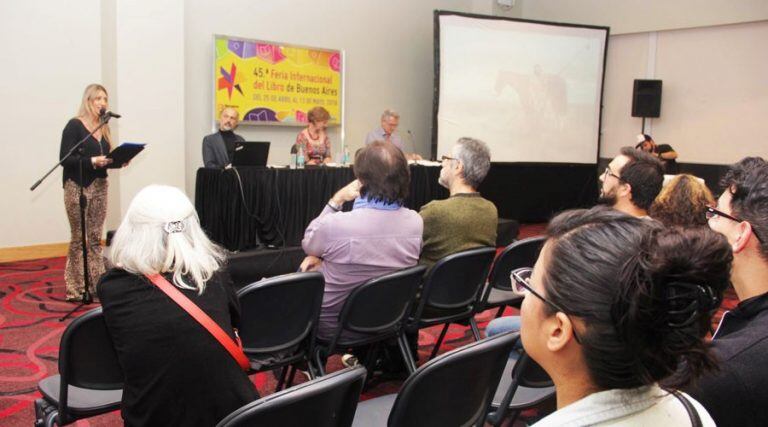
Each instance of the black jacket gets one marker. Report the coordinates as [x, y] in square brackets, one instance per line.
[738, 394]
[73, 133]
[176, 373]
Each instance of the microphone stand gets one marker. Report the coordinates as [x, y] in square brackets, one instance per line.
[87, 297]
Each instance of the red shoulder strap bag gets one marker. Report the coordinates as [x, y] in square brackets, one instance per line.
[234, 347]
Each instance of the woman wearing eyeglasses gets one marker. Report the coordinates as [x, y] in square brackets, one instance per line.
[616, 304]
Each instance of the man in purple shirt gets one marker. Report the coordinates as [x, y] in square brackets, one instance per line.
[377, 237]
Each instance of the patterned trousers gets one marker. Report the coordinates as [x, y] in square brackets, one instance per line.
[95, 213]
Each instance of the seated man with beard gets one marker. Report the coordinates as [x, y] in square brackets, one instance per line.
[631, 182]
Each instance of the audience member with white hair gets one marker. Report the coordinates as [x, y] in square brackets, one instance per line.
[176, 372]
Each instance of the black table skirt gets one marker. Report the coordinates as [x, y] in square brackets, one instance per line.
[280, 203]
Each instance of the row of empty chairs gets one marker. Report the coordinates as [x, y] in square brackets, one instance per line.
[279, 325]
[456, 389]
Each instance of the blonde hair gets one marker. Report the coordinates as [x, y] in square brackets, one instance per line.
[86, 109]
[682, 202]
[161, 233]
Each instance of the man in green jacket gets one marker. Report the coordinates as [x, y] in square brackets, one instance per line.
[465, 220]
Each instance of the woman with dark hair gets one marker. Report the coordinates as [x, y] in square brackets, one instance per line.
[682, 202]
[377, 237]
[614, 305]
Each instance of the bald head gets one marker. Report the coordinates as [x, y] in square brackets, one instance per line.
[229, 119]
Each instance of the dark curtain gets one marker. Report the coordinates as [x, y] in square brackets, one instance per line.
[280, 203]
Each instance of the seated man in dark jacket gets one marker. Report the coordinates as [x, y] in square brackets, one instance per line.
[737, 395]
[219, 147]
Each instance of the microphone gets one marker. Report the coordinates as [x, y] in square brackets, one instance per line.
[105, 115]
[413, 145]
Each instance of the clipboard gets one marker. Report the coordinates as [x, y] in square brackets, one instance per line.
[124, 153]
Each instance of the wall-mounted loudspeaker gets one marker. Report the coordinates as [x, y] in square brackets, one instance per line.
[646, 98]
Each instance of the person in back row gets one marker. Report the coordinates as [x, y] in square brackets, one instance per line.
[631, 182]
[664, 152]
[465, 220]
[613, 306]
[737, 394]
[377, 237]
[219, 147]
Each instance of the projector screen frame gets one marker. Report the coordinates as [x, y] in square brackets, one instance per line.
[436, 88]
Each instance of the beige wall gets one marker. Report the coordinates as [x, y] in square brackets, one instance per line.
[714, 98]
[633, 16]
[164, 89]
[46, 63]
[389, 63]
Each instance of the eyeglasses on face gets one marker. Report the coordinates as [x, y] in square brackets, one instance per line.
[712, 212]
[608, 172]
[521, 285]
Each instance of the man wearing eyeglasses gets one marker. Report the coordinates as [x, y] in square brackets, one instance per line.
[737, 395]
[465, 220]
[631, 182]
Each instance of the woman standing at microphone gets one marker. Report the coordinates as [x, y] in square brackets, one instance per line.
[91, 159]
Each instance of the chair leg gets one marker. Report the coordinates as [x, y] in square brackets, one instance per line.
[405, 349]
[311, 369]
[501, 311]
[281, 380]
[319, 362]
[475, 329]
[439, 341]
[291, 376]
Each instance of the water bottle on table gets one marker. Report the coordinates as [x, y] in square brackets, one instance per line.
[300, 158]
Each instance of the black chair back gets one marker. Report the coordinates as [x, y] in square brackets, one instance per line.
[376, 311]
[87, 358]
[380, 305]
[520, 254]
[455, 388]
[329, 401]
[528, 373]
[280, 314]
[453, 283]
[536, 384]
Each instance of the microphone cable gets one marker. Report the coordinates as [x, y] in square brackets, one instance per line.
[278, 224]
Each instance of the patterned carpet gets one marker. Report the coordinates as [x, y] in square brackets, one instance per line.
[32, 298]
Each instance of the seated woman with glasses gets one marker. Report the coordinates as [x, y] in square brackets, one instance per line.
[616, 304]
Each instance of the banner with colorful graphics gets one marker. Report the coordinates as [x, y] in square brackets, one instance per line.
[276, 84]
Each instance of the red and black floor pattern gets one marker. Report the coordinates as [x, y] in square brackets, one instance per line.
[32, 299]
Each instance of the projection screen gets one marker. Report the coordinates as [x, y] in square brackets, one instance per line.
[531, 90]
